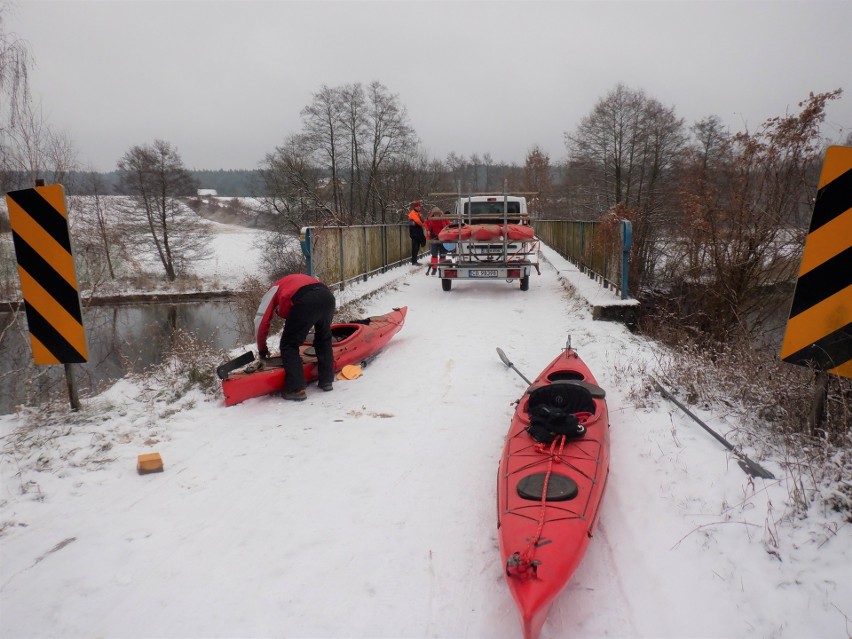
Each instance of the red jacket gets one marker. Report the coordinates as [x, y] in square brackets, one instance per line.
[278, 299]
[435, 224]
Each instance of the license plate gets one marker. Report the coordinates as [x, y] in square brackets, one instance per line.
[489, 273]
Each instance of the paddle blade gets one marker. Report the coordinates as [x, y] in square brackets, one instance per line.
[223, 370]
[503, 357]
[351, 371]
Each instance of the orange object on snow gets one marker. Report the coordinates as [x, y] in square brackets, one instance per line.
[149, 463]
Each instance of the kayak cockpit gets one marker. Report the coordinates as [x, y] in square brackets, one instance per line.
[340, 332]
[571, 396]
[343, 332]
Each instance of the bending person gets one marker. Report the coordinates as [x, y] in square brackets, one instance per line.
[304, 302]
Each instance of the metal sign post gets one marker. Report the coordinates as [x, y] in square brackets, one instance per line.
[48, 279]
[626, 243]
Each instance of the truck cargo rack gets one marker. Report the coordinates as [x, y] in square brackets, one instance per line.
[489, 258]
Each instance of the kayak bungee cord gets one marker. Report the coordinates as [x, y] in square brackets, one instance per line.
[522, 562]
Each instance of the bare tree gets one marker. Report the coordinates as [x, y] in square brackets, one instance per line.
[537, 178]
[161, 224]
[456, 166]
[353, 161]
[388, 137]
[325, 133]
[29, 147]
[405, 178]
[487, 162]
[626, 143]
[745, 207]
[628, 147]
[293, 190]
[349, 131]
[96, 231]
[354, 121]
[475, 163]
[710, 140]
[36, 150]
[294, 199]
[15, 62]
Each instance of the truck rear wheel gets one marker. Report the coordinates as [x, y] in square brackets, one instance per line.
[525, 283]
[446, 284]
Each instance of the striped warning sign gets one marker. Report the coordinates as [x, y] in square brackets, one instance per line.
[48, 280]
[819, 331]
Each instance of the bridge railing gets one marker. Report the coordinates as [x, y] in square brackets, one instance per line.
[599, 249]
[339, 255]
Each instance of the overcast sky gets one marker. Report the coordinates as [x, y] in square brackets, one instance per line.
[225, 81]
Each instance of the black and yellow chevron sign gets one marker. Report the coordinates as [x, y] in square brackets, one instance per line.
[48, 280]
[819, 331]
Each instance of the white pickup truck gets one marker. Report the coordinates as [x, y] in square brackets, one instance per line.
[489, 238]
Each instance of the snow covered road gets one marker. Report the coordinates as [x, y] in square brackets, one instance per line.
[370, 511]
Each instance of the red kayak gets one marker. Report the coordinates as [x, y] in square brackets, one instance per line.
[520, 232]
[352, 343]
[550, 484]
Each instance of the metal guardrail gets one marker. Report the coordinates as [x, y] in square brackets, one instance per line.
[592, 248]
[339, 255]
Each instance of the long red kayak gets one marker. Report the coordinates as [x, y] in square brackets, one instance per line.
[549, 492]
[352, 343]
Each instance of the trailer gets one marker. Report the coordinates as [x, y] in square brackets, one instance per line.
[490, 238]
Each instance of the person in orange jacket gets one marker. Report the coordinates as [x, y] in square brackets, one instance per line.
[435, 223]
[304, 302]
[416, 231]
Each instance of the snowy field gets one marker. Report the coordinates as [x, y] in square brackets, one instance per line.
[235, 254]
[236, 251]
[369, 512]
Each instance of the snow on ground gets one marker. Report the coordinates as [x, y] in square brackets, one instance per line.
[370, 511]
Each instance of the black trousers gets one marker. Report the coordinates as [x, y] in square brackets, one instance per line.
[416, 243]
[313, 307]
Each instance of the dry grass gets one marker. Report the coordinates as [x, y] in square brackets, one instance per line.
[773, 401]
[187, 365]
[244, 305]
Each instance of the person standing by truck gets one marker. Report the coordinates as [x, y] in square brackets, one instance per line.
[416, 231]
[435, 223]
[304, 302]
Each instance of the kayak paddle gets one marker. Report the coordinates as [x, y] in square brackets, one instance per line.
[750, 467]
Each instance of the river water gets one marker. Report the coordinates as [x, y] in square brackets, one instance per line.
[121, 339]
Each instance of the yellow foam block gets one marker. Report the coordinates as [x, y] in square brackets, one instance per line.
[149, 463]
